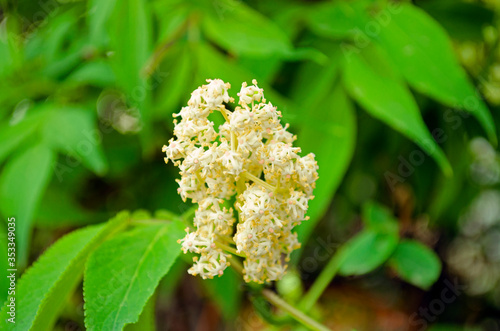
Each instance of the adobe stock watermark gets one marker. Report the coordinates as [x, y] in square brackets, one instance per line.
[38, 20]
[323, 251]
[455, 118]
[362, 37]
[429, 313]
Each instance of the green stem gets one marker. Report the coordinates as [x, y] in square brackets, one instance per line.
[257, 180]
[322, 282]
[295, 313]
[223, 111]
[226, 238]
[154, 61]
[229, 249]
[236, 265]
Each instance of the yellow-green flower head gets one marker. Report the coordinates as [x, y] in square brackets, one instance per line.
[251, 156]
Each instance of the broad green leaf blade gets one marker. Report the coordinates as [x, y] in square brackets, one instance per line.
[97, 73]
[174, 86]
[43, 288]
[73, 131]
[22, 184]
[379, 219]
[416, 263]
[99, 12]
[392, 103]
[243, 31]
[132, 264]
[130, 33]
[422, 50]
[365, 252]
[331, 136]
[24, 122]
[130, 40]
[225, 292]
[146, 320]
[336, 19]
[12, 136]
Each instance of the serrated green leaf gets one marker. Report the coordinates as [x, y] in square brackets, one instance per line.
[416, 263]
[226, 292]
[244, 31]
[365, 252]
[423, 52]
[132, 264]
[22, 183]
[146, 320]
[73, 131]
[43, 288]
[379, 219]
[391, 102]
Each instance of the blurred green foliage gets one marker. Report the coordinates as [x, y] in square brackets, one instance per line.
[388, 95]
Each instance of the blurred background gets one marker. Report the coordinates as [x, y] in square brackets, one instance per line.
[398, 100]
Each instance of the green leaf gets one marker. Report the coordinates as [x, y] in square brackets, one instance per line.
[44, 288]
[462, 20]
[22, 184]
[130, 40]
[331, 135]
[174, 85]
[146, 320]
[328, 124]
[12, 136]
[391, 102]
[97, 73]
[226, 293]
[60, 209]
[416, 263]
[73, 131]
[336, 19]
[99, 12]
[365, 252]
[243, 31]
[132, 264]
[130, 33]
[379, 219]
[423, 52]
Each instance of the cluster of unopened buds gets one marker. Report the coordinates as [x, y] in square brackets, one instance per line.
[247, 170]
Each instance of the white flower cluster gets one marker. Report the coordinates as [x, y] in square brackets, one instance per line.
[251, 157]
